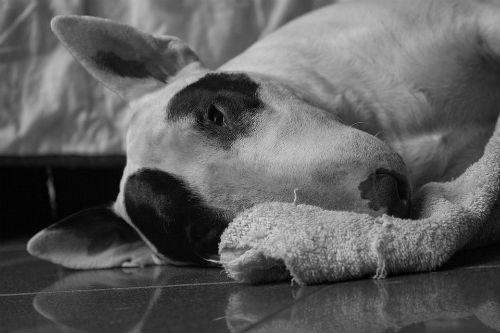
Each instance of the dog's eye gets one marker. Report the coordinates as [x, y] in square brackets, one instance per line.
[215, 116]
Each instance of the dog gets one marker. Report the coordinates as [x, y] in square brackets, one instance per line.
[354, 106]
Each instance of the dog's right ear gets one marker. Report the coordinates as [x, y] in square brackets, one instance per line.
[124, 59]
[93, 238]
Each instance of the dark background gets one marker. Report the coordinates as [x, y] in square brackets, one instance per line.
[78, 182]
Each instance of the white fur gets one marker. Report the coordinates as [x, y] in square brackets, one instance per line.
[420, 76]
[409, 71]
[346, 90]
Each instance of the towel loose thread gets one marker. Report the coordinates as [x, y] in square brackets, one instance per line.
[380, 243]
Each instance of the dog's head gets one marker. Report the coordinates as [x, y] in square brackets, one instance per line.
[204, 145]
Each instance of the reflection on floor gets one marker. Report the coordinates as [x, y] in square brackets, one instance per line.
[36, 296]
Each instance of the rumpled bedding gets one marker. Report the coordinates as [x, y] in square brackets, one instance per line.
[48, 103]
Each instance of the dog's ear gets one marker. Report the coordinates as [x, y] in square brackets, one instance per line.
[124, 59]
[92, 238]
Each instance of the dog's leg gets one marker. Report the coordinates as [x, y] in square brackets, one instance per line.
[488, 21]
[462, 84]
[489, 42]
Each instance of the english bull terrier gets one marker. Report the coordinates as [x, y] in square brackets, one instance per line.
[353, 105]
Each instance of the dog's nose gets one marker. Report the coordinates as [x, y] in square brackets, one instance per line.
[389, 190]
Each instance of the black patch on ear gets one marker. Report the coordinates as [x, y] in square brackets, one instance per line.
[100, 226]
[235, 94]
[111, 62]
[389, 189]
[172, 217]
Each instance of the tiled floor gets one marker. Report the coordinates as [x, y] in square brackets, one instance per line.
[36, 296]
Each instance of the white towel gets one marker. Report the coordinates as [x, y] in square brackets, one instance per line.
[273, 241]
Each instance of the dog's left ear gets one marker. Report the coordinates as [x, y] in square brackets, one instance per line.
[93, 238]
[123, 58]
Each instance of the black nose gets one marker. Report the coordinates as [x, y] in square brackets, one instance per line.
[387, 189]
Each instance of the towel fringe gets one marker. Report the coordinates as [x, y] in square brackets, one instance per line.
[381, 272]
[379, 243]
[295, 196]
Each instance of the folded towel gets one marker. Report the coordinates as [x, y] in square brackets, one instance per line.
[274, 240]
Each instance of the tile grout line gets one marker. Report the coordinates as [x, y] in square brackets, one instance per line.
[196, 284]
[121, 288]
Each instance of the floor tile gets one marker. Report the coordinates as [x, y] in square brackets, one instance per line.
[189, 308]
[22, 273]
[457, 299]
[36, 296]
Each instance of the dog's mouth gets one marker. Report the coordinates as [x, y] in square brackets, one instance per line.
[179, 226]
[203, 238]
[195, 243]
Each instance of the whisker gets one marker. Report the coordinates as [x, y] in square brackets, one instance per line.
[357, 123]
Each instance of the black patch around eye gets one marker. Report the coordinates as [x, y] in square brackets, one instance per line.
[111, 62]
[235, 93]
[170, 216]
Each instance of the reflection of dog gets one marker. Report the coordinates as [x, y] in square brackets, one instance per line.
[435, 302]
[130, 300]
[449, 298]
[327, 104]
